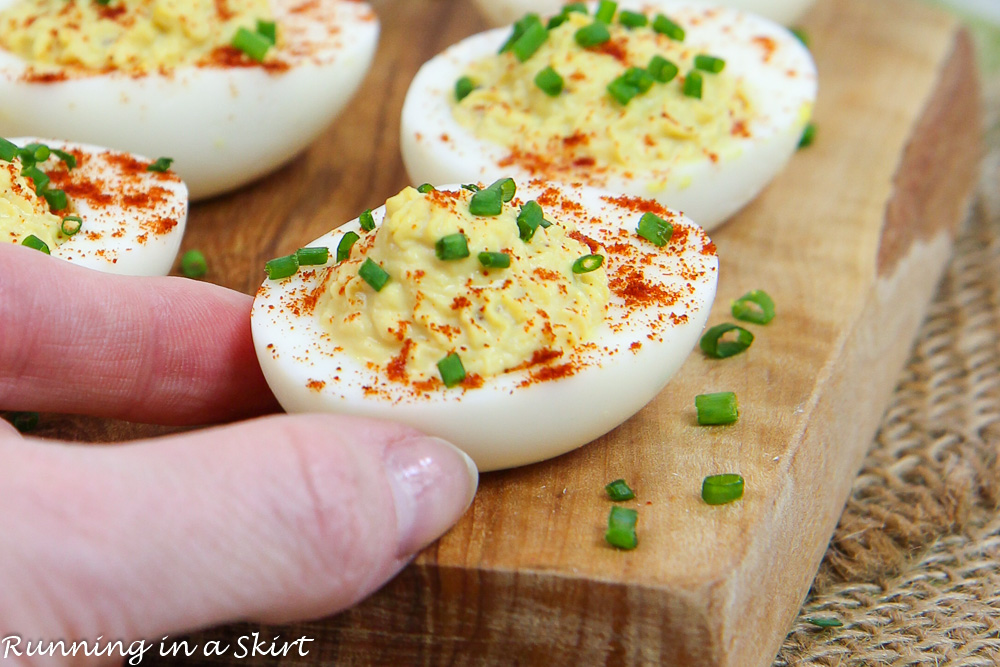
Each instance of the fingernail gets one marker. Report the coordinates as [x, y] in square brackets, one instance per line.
[433, 483]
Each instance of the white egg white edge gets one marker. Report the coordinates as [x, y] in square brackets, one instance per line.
[500, 425]
[124, 254]
[707, 192]
[223, 127]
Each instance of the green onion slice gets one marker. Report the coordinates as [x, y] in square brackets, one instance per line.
[8, 150]
[529, 42]
[709, 63]
[70, 225]
[471, 187]
[662, 69]
[253, 44]
[717, 409]
[654, 229]
[520, 27]
[494, 260]
[193, 264]
[621, 528]
[665, 26]
[622, 91]
[632, 19]
[507, 187]
[549, 81]
[756, 306]
[463, 87]
[312, 256]
[282, 267]
[67, 158]
[451, 369]
[161, 164]
[268, 30]
[373, 274]
[33, 241]
[25, 421]
[693, 84]
[713, 345]
[808, 136]
[452, 246]
[424, 188]
[367, 220]
[824, 621]
[530, 219]
[588, 263]
[592, 35]
[639, 78]
[344, 247]
[35, 152]
[618, 490]
[722, 489]
[486, 202]
[37, 176]
[606, 11]
[56, 198]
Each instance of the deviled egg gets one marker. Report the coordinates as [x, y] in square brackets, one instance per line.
[230, 90]
[698, 108]
[518, 322]
[94, 207]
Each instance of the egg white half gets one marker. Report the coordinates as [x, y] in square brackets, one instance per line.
[518, 417]
[133, 220]
[778, 72]
[224, 126]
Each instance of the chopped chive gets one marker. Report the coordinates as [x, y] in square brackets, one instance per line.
[801, 35]
[373, 274]
[35, 152]
[578, 7]
[529, 220]
[532, 39]
[471, 187]
[193, 264]
[507, 187]
[639, 78]
[463, 87]
[756, 306]
[70, 225]
[268, 30]
[425, 188]
[494, 260]
[665, 26]
[563, 15]
[253, 44]
[37, 176]
[161, 164]
[33, 241]
[713, 345]
[722, 489]
[808, 135]
[824, 621]
[67, 158]
[621, 528]
[588, 263]
[654, 229]
[618, 490]
[282, 267]
[520, 27]
[709, 63]
[632, 19]
[486, 202]
[56, 198]
[24, 421]
[718, 408]
[344, 247]
[367, 220]
[312, 256]
[592, 35]
[606, 11]
[451, 369]
[549, 81]
[452, 246]
[693, 84]
[8, 150]
[662, 69]
[622, 91]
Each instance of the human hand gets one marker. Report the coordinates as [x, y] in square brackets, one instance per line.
[275, 519]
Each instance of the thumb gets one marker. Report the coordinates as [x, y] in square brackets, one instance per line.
[278, 519]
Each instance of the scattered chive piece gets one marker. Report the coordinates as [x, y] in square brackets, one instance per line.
[713, 345]
[654, 229]
[520, 27]
[344, 247]
[722, 489]
[56, 198]
[588, 263]
[529, 220]
[808, 135]
[526, 45]
[37, 176]
[373, 274]
[312, 256]
[662, 69]
[193, 264]
[68, 158]
[621, 528]
[579, 7]
[549, 81]
[824, 621]
[632, 19]
[507, 187]
[253, 44]
[36, 152]
[161, 164]
[282, 267]
[33, 241]
[665, 26]
[756, 306]
[463, 87]
[452, 246]
[103, 2]
[486, 202]
[639, 78]
[471, 187]
[424, 188]
[268, 30]
[709, 63]
[8, 150]
[70, 225]
[592, 35]
[618, 490]
[25, 421]
[494, 260]
[563, 15]
[693, 84]
[367, 220]
[606, 11]
[801, 35]
[451, 369]
[718, 408]
[622, 91]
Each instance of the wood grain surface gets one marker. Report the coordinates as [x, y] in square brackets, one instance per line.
[850, 241]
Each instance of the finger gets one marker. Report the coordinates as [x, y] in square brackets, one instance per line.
[163, 350]
[278, 519]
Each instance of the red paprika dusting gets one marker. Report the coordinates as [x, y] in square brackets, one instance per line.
[316, 385]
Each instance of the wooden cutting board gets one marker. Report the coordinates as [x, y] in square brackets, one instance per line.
[850, 241]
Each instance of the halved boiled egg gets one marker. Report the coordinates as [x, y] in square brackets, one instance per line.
[91, 206]
[518, 326]
[164, 78]
[696, 107]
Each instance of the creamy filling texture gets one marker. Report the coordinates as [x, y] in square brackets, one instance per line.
[22, 211]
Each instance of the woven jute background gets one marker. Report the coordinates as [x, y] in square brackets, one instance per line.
[913, 569]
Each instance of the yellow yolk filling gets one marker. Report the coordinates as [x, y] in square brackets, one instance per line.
[22, 212]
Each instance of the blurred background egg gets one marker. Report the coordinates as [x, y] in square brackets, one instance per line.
[226, 118]
[659, 302]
